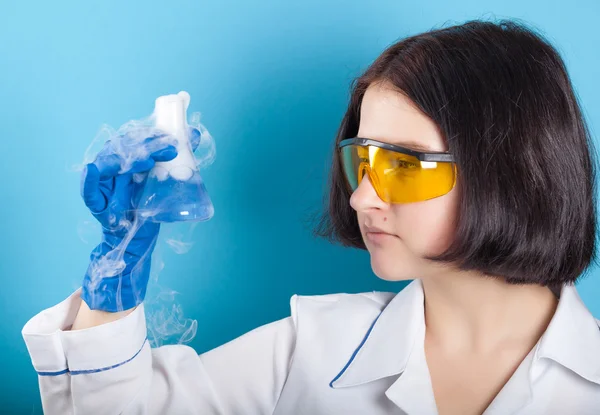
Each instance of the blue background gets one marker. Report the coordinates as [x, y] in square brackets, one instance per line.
[266, 75]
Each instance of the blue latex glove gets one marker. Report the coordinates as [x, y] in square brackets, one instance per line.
[118, 274]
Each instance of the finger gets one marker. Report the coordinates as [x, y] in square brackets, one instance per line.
[140, 166]
[195, 136]
[110, 160]
[159, 142]
[166, 154]
[122, 194]
[93, 198]
[107, 163]
[144, 165]
[155, 137]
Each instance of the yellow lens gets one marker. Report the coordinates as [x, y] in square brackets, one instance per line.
[397, 177]
[404, 179]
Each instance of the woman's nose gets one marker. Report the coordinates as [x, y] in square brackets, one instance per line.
[365, 197]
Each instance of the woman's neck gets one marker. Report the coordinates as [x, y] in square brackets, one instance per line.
[472, 313]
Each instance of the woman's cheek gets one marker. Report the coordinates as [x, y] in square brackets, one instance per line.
[427, 228]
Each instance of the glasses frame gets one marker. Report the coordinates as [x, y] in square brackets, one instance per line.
[442, 157]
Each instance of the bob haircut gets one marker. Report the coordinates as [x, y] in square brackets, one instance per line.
[501, 96]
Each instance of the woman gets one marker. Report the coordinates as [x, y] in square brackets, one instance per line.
[463, 162]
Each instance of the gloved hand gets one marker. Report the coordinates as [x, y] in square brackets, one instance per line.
[118, 274]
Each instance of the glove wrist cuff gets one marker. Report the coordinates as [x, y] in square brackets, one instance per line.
[113, 294]
[118, 292]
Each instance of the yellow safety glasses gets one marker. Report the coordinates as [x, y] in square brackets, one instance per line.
[398, 174]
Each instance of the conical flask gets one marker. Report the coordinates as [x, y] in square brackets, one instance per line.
[174, 190]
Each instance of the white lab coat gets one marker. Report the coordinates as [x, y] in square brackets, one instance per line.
[336, 354]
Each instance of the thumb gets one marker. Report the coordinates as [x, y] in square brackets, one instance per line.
[93, 198]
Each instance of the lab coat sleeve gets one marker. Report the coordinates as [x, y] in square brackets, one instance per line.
[111, 369]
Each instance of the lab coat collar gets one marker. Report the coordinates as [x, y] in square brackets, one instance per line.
[386, 348]
[572, 339]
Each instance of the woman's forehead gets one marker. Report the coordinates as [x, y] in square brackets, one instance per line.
[388, 115]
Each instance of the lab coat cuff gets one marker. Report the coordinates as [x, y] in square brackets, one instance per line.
[55, 350]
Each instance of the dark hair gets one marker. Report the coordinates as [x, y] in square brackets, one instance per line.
[501, 96]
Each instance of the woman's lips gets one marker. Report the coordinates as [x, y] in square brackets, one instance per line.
[379, 237]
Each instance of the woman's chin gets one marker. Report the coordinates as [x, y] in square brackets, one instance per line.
[388, 271]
